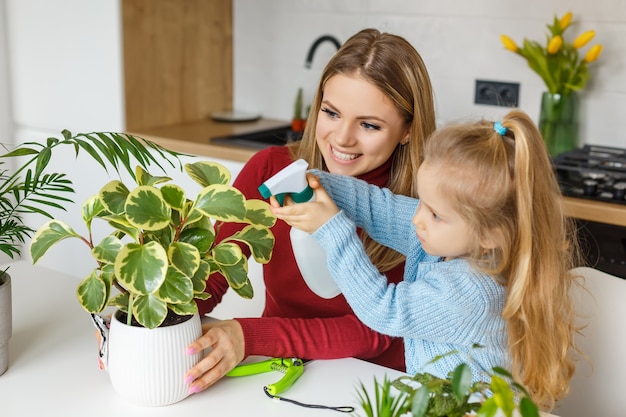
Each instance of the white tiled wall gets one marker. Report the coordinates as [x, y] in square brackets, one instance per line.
[459, 40]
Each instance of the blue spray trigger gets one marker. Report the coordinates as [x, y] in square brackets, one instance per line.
[301, 197]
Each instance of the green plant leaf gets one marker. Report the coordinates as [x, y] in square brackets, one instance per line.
[107, 250]
[184, 257]
[149, 310]
[208, 173]
[461, 381]
[200, 277]
[420, 401]
[259, 239]
[174, 196]
[488, 409]
[221, 202]
[227, 253]
[200, 237]
[176, 289]
[49, 234]
[236, 275]
[92, 293]
[113, 196]
[92, 208]
[186, 309]
[146, 209]
[141, 268]
[258, 212]
[528, 408]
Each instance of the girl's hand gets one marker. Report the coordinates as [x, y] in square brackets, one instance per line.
[225, 338]
[306, 216]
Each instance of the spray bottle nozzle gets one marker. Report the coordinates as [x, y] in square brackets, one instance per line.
[291, 181]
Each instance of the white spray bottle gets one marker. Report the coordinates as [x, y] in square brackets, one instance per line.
[310, 256]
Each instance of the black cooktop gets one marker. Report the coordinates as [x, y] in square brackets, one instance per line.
[593, 172]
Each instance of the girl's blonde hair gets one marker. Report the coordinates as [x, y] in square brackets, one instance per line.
[506, 189]
[392, 64]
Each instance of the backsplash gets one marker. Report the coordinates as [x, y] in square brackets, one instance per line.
[458, 40]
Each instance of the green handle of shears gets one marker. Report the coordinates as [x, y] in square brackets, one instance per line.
[294, 372]
[255, 368]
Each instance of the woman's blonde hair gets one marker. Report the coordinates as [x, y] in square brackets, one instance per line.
[505, 187]
[393, 65]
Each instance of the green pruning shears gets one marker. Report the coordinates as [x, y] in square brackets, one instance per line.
[292, 368]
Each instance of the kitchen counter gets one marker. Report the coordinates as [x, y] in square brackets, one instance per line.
[196, 138]
[596, 211]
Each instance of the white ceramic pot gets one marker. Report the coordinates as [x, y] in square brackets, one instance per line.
[148, 366]
[6, 320]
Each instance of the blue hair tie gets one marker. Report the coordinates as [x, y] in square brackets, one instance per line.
[501, 130]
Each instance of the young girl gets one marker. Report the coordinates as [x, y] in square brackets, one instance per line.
[488, 251]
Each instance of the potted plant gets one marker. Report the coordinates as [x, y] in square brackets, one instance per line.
[298, 122]
[154, 265]
[425, 395]
[30, 189]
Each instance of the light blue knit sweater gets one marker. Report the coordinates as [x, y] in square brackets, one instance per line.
[438, 307]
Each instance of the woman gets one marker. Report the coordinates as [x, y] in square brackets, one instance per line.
[370, 116]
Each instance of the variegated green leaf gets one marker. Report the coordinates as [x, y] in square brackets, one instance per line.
[237, 274]
[259, 239]
[120, 301]
[119, 222]
[143, 177]
[227, 253]
[146, 209]
[185, 257]
[106, 251]
[186, 309]
[176, 289]
[208, 173]
[92, 208]
[200, 277]
[258, 212]
[141, 268]
[221, 202]
[174, 196]
[113, 196]
[49, 234]
[191, 216]
[149, 310]
[92, 293]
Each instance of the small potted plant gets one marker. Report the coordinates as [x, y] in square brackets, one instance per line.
[153, 266]
[30, 189]
[425, 395]
[298, 122]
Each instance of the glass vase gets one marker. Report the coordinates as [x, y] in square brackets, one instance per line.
[558, 121]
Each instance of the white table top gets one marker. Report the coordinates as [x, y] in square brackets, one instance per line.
[53, 367]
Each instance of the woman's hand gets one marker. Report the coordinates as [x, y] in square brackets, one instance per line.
[306, 216]
[225, 338]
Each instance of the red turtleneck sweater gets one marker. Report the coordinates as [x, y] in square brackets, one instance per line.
[295, 321]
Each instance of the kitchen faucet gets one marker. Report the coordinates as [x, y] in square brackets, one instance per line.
[318, 41]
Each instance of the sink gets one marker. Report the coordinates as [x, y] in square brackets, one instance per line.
[260, 139]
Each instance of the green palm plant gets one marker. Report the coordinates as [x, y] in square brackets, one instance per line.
[162, 247]
[30, 189]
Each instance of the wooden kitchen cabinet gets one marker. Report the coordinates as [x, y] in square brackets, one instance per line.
[178, 60]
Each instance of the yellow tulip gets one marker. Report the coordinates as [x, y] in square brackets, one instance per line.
[509, 43]
[583, 39]
[565, 20]
[554, 44]
[593, 53]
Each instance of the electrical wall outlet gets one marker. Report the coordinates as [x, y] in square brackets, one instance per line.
[496, 93]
